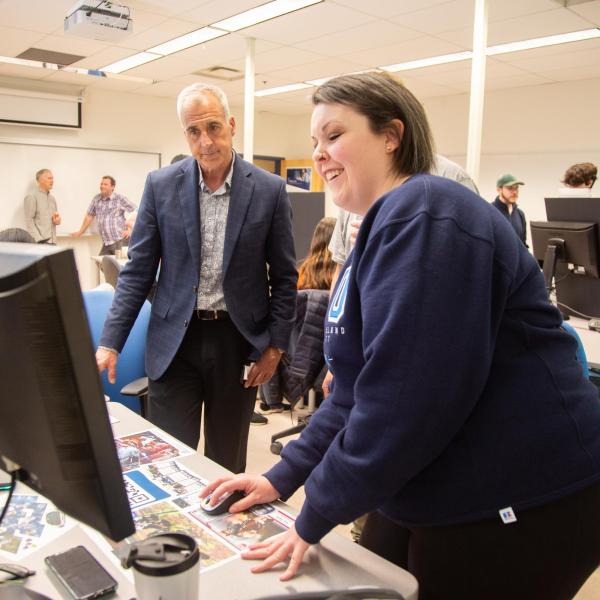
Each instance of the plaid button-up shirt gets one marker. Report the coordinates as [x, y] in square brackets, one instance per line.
[110, 214]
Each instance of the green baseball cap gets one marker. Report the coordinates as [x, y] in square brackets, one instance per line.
[508, 180]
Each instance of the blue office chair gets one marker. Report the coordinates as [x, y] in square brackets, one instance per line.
[131, 386]
[581, 357]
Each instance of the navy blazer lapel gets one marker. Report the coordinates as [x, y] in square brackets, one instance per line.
[188, 191]
[242, 188]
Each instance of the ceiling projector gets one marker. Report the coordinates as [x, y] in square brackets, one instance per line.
[104, 21]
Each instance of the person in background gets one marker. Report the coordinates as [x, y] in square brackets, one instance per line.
[16, 234]
[41, 211]
[506, 202]
[460, 417]
[111, 211]
[315, 273]
[579, 180]
[221, 229]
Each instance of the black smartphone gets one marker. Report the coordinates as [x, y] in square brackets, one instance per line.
[83, 576]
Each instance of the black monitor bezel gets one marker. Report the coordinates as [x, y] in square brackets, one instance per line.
[91, 489]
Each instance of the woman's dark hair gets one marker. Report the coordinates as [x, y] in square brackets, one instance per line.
[382, 98]
[15, 234]
[580, 174]
[316, 270]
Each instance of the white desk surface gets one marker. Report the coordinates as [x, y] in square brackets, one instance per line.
[590, 339]
[336, 563]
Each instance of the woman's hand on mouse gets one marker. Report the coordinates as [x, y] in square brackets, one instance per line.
[258, 490]
[272, 552]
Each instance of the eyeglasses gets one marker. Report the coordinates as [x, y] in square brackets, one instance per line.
[10, 572]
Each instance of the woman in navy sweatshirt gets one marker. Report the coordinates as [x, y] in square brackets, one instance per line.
[459, 416]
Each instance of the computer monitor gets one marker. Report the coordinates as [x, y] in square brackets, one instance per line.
[573, 244]
[576, 293]
[53, 419]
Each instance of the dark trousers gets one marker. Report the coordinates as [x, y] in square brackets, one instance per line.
[110, 249]
[206, 371]
[546, 555]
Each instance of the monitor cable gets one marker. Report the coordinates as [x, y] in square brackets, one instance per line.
[10, 488]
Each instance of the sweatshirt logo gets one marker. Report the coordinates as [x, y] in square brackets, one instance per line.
[337, 304]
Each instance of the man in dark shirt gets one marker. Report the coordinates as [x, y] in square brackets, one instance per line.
[506, 202]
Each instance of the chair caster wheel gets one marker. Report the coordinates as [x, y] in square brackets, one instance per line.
[276, 448]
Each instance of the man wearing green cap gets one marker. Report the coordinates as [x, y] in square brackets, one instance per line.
[506, 202]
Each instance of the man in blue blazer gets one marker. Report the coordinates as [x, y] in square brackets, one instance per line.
[220, 228]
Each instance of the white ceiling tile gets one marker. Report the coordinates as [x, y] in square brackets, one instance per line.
[365, 37]
[549, 22]
[517, 57]
[328, 67]
[167, 8]
[292, 48]
[565, 60]
[448, 16]
[515, 81]
[35, 15]
[282, 58]
[574, 73]
[309, 23]
[162, 68]
[388, 8]
[426, 89]
[15, 41]
[420, 47]
[221, 50]
[158, 33]
[103, 58]
[589, 11]
[495, 69]
[162, 88]
[509, 9]
[217, 10]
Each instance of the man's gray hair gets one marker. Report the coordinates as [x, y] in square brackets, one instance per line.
[199, 89]
[40, 173]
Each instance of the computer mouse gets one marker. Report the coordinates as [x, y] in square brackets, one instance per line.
[223, 505]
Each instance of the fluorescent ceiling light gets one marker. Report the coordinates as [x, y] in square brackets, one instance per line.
[21, 62]
[130, 62]
[321, 81]
[428, 62]
[282, 89]
[187, 41]
[262, 13]
[551, 40]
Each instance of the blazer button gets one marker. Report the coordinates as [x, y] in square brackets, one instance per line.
[195, 288]
[185, 323]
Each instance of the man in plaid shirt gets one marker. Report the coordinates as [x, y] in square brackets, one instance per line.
[109, 209]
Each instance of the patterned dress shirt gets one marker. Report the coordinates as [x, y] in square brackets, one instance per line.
[214, 207]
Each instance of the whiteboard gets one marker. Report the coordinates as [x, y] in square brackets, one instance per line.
[77, 174]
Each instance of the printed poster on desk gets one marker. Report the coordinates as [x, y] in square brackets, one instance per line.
[158, 481]
[147, 447]
[30, 522]
[249, 527]
[165, 517]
